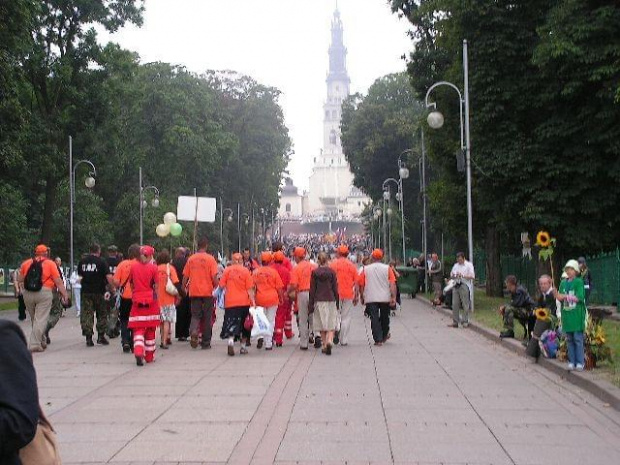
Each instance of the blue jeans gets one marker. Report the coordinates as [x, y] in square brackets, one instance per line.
[574, 342]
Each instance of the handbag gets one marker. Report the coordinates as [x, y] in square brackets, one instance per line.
[170, 287]
[43, 449]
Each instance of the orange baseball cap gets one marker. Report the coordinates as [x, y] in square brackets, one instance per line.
[377, 254]
[300, 252]
[343, 249]
[265, 257]
[278, 256]
[40, 249]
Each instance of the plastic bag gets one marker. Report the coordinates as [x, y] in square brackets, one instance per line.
[261, 327]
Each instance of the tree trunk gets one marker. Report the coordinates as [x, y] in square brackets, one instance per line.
[494, 284]
[48, 211]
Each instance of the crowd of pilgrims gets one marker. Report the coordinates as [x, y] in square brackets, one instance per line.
[311, 278]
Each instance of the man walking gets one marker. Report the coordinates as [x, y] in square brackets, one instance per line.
[300, 287]
[121, 281]
[113, 260]
[346, 274]
[184, 316]
[95, 277]
[378, 290]
[435, 272]
[38, 277]
[269, 294]
[464, 275]
[57, 307]
[200, 273]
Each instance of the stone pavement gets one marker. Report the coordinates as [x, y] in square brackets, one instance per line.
[431, 395]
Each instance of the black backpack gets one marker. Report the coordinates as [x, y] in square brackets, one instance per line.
[33, 281]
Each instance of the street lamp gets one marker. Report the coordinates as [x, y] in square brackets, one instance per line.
[229, 218]
[435, 120]
[376, 213]
[386, 198]
[88, 182]
[403, 173]
[144, 204]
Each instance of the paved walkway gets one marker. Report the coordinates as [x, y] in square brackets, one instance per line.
[431, 395]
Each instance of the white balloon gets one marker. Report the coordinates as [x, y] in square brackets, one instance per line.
[170, 218]
[162, 230]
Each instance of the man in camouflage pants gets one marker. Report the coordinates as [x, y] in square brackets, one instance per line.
[57, 308]
[96, 276]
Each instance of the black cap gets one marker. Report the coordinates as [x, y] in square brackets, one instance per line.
[581, 260]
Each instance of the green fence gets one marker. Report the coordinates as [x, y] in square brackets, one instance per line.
[605, 270]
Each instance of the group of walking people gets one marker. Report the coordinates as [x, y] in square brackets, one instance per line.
[149, 290]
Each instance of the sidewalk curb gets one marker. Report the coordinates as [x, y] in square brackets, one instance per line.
[603, 390]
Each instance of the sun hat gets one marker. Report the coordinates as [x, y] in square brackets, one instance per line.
[300, 252]
[265, 257]
[572, 264]
[377, 254]
[278, 257]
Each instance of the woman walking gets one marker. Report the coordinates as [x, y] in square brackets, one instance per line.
[165, 273]
[239, 286]
[572, 295]
[145, 316]
[323, 302]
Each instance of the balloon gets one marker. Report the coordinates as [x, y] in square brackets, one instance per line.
[162, 230]
[170, 218]
[176, 229]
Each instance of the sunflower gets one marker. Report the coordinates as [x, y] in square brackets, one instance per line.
[543, 239]
[542, 314]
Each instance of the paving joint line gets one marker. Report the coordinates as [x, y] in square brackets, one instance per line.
[460, 390]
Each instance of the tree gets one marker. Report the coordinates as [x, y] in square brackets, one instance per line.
[376, 129]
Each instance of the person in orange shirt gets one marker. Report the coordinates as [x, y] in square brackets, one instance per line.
[38, 298]
[378, 291]
[200, 278]
[300, 287]
[167, 301]
[121, 281]
[284, 314]
[269, 293]
[239, 285]
[346, 272]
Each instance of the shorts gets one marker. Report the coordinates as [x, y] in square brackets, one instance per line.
[169, 313]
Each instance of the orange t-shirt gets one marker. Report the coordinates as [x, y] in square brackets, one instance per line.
[237, 280]
[300, 276]
[391, 277]
[268, 283]
[50, 271]
[200, 269]
[162, 279]
[346, 272]
[121, 277]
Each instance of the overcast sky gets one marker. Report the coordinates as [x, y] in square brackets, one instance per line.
[281, 43]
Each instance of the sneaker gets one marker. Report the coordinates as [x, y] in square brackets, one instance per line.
[317, 342]
[579, 367]
[328, 349]
[102, 340]
[139, 361]
[570, 367]
[193, 341]
[231, 350]
[243, 351]
[89, 341]
[126, 348]
[259, 344]
[336, 337]
[507, 334]
[47, 338]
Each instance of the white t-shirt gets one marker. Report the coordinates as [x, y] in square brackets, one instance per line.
[466, 269]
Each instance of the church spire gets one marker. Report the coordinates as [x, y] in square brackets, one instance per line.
[337, 51]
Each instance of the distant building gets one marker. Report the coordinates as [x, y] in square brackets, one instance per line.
[332, 193]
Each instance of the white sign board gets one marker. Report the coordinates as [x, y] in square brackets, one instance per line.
[187, 211]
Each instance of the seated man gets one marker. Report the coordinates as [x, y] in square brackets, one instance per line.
[546, 299]
[520, 307]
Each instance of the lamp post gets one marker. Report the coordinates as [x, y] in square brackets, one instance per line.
[229, 218]
[386, 198]
[403, 173]
[246, 220]
[376, 213]
[89, 182]
[143, 204]
[435, 120]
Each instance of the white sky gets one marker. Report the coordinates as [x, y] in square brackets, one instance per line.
[281, 43]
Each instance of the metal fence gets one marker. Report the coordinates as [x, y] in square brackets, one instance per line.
[605, 270]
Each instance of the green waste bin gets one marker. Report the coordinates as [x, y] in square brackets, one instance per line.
[408, 280]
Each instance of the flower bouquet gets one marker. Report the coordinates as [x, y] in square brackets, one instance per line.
[595, 346]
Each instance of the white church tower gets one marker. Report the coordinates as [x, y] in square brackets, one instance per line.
[331, 184]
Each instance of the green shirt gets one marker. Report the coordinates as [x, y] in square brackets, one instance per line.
[573, 315]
